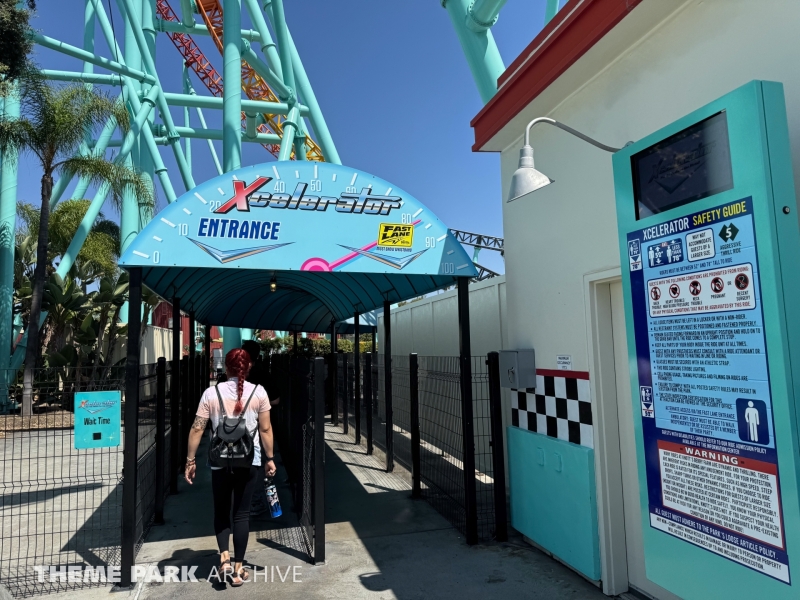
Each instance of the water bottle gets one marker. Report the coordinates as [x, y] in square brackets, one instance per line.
[272, 498]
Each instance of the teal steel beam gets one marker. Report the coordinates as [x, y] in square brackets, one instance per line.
[318, 124]
[293, 132]
[150, 67]
[139, 125]
[551, 10]
[289, 130]
[143, 110]
[199, 29]
[219, 134]
[117, 142]
[268, 48]
[482, 14]
[145, 162]
[78, 77]
[192, 99]
[283, 91]
[232, 85]
[193, 94]
[187, 122]
[211, 147]
[129, 222]
[98, 149]
[187, 13]
[99, 61]
[8, 216]
[251, 130]
[479, 48]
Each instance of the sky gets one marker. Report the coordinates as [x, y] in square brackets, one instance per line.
[392, 82]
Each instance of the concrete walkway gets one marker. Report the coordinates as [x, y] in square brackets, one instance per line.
[381, 545]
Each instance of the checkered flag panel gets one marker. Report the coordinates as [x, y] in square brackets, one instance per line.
[558, 407]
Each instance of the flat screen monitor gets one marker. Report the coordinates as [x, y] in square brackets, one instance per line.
[692, 164]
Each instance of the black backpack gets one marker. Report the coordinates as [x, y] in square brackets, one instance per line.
[231, 444]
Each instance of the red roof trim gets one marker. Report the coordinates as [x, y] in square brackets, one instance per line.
[578, 26]
[562, 373]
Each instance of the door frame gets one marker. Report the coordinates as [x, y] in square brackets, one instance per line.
[605, 416]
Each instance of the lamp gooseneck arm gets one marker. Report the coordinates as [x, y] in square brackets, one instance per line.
[568, 129]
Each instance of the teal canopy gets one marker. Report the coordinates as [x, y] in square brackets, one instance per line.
[330, 240]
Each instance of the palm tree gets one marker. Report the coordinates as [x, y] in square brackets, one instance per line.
[54, 121]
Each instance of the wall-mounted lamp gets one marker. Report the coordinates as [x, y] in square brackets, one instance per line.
[526, 179]
[273, 284]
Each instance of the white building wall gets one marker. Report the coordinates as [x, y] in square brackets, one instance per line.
[429, 326]
[636, 80]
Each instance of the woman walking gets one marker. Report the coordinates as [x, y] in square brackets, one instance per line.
[233, 402]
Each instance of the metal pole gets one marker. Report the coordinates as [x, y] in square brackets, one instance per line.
[129, 459]
[345, 399]
[193, 378]
[161, 435]
[373, 341]
[8, 219]
[295, 343]
[387, 383]
[468, 434]
[368, 398]
[207, 359]
[357, 378]
[232, 81]
[319, 461]
[498, 459]
[175, 399]
[413, 380]
[334, 377]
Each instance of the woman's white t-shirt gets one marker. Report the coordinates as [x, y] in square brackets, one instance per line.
[209, 409]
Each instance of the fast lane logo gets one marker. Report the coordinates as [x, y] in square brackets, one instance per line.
[396, 235]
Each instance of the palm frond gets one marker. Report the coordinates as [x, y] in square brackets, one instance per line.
[119, 178]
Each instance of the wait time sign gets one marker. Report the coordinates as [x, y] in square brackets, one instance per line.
[98, 420]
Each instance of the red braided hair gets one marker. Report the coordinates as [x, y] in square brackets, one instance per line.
[237, 364]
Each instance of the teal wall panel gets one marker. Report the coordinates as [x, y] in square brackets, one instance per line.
[553, 500]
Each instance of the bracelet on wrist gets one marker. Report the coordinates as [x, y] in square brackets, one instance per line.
[190, 461]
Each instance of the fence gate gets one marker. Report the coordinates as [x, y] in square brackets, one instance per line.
[312, 504]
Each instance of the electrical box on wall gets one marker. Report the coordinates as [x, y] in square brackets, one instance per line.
[517, 369]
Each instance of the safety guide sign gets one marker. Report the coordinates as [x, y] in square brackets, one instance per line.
[710, 448]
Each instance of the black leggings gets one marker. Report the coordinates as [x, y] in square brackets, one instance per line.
[236, 485]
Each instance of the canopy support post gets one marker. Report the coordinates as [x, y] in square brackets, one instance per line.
[357, 375]
[387, 383]
[175, 397]
[131, 424]
[468, 434]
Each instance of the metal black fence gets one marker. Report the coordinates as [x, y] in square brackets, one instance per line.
[419, 425]
[312, 505]
[61, 506]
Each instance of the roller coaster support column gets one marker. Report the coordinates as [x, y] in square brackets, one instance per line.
[318, 123]
[267, 45]
[232, 86]
[291, 127]
[129, 218]
[150, 67]
[480, 49]
[145, 161]
[8, 216]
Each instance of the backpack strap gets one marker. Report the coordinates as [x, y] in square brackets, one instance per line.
[221, 405]
[241, 414]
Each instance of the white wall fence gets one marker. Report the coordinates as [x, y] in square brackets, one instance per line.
[429, 326]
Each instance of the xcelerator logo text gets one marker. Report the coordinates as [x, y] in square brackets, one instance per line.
[246, 197]
[169, 574]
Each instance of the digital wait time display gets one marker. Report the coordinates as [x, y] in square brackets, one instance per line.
[690, 165]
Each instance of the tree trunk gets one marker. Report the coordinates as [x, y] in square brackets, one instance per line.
[100, 335]
[33, 351]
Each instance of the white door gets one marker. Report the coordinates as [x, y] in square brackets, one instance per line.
[637, 578]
